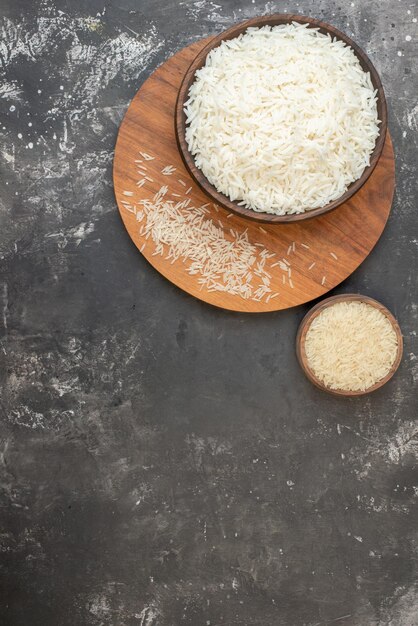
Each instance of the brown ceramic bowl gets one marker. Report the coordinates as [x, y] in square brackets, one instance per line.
[314, 312]
[199, 61]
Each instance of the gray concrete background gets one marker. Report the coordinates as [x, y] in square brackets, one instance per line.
[164, 462]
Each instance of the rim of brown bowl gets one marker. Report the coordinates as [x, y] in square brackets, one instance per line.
[314, 312]
[199, 61]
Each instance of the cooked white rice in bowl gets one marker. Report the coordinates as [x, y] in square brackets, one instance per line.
[282, 119]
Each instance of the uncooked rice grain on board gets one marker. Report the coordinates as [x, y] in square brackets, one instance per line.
[181, 232]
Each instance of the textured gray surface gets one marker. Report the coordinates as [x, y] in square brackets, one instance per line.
[164, 462]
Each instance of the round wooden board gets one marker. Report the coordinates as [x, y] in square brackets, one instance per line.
[350, 232]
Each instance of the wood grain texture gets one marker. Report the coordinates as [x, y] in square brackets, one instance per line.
[314, 312]
[235, 31]
[350, 232]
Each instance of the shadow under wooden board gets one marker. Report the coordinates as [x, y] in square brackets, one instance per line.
[296, 262]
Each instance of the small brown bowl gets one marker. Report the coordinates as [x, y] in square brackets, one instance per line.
[199, 61]
[314, 312]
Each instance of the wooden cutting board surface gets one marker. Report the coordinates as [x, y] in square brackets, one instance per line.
[321, 252]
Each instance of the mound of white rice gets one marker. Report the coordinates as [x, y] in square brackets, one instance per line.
[282, 119]
[351, 346]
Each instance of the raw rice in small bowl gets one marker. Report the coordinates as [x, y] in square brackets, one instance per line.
[281, 118]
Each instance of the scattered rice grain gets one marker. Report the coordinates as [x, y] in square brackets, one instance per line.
[168, 170]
